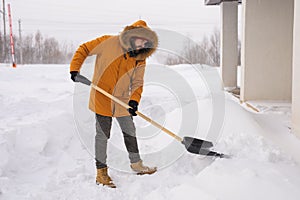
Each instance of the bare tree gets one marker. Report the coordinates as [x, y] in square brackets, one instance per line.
[38, 45]
[205, 52]
[1, 48]
[51, 53]
[204, 56]
[67, 49]
[214, 49]
[28, 49]
[4, 48]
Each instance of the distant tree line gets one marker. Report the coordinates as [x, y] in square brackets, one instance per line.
[36, 49]
[205, 52]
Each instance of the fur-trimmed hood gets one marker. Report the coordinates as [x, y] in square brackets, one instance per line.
[141, 30]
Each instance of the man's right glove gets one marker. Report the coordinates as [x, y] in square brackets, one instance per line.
[134, 107]
[74, 74]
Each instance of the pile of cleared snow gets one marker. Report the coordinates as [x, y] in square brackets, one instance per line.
[43, 158]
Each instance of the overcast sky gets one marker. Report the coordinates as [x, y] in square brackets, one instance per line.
[79, 21]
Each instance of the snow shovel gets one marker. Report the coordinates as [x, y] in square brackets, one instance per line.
[193, 145]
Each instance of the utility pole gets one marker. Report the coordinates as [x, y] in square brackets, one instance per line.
[4, 31]
[0, 24]
[1, 45]
[20, 42]
[12, 45]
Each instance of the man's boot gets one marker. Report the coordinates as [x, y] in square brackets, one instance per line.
[141, 169]
[103, 178]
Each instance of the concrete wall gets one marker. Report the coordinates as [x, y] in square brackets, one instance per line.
[229, 43]
[267, 49]
[296, 71]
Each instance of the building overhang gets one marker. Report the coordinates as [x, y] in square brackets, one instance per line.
[217, 2]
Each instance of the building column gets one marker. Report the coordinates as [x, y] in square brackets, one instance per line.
[229, 43]
[296, 72]
[267, 49]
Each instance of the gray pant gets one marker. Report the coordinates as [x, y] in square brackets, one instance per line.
[103, 127]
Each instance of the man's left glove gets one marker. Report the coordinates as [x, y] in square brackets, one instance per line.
[73, 75]
[134, 107]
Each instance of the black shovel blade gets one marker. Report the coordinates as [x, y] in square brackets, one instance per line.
[196, 144]
[207, 152]
[201, 147]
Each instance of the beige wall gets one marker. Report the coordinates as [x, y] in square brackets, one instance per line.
[296, 71]
[229, 43]
[267, 49]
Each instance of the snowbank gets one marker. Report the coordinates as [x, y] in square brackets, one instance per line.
[42, 156]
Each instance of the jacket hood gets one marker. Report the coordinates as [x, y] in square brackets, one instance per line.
[139, 29]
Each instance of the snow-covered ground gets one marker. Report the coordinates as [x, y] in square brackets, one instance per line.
[46, 141]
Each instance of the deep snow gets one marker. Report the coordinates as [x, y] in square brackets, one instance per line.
[46, 142]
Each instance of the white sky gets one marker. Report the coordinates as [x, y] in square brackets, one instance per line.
[79, 21]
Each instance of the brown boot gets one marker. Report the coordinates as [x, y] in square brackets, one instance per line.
[103, 178]
[142, 169]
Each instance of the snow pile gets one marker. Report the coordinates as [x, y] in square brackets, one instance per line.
[43, 158]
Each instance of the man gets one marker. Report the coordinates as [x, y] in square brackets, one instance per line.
[119, 70]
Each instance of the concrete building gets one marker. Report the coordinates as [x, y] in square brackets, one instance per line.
[270, 50]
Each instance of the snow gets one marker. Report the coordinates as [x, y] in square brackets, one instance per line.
[46, 140]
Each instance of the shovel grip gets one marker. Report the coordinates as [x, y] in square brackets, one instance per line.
[82, 79]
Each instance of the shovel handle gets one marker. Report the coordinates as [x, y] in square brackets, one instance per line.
[110, 96]
[154, 123]
[84, 80]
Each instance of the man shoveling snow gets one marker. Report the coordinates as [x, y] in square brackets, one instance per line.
[119, 70]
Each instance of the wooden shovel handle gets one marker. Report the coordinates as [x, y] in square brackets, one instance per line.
[111, 96]
[154, 123]
[137, 112]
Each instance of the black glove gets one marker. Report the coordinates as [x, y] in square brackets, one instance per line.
[134, 107]
[73, 75]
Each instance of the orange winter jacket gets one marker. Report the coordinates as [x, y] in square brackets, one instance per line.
[116, 71]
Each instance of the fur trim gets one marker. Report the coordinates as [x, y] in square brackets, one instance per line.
[141, 31]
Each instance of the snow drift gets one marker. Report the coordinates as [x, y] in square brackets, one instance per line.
[43, 155]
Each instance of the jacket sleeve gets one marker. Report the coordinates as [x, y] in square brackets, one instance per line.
[138, 81]
[85, 50]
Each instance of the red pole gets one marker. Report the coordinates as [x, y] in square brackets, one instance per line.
[11, 38]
